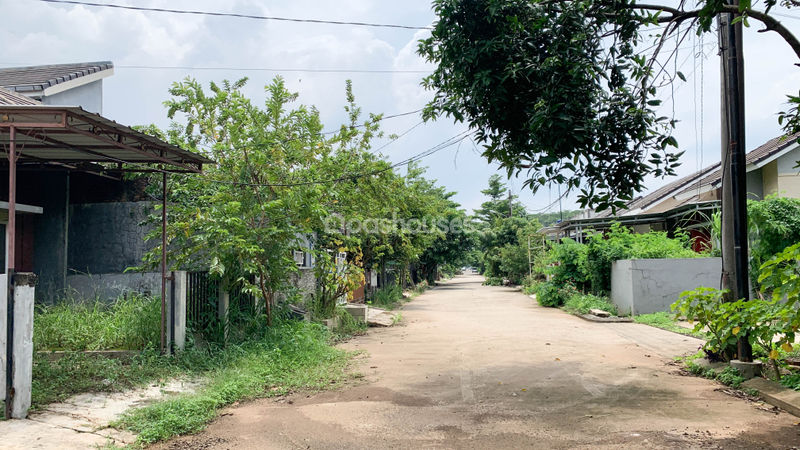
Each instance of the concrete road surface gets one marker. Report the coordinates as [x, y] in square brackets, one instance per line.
[485, 367]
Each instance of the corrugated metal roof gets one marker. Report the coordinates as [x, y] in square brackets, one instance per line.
[11, 98]
[38, 78]
[74, 136]
[711, 175]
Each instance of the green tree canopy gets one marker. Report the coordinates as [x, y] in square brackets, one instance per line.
[560, 90]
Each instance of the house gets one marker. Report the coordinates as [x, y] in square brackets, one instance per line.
[79, 84]
[81, 222]
[687, 203]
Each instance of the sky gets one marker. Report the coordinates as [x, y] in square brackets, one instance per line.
[142, 44]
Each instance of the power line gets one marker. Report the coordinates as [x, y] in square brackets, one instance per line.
[267, 69]
[351, 177]
[237, 15]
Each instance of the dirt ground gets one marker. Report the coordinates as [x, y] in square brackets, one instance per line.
[485, 367]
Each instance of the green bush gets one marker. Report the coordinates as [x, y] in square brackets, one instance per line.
[582, 303]
[620, 243]
[132, 322]
[567, 263]
[766, 324]
[773, 225]
[493, 281]
[552, 295]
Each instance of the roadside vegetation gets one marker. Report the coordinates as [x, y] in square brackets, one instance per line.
[667, 321]
[285, 357]
[129, 323]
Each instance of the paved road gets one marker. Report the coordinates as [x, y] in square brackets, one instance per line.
[485, 367]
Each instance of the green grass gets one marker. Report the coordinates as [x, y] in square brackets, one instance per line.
[666, 321]
[130, 323]
[75, 373]
[290, 356]
[582, 303]
[792, 381]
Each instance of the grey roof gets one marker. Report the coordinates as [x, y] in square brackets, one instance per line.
[34, 79]
[12, 98]
[710, 175]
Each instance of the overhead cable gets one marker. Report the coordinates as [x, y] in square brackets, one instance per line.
[237, 15]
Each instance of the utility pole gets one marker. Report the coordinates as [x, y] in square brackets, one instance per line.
[530, 264]
[735, 262]
[510, 211]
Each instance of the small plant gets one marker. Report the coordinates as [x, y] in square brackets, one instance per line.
[388, 297]
[704, 308]
[397, 319]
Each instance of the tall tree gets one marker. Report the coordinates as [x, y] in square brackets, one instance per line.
[559, 89]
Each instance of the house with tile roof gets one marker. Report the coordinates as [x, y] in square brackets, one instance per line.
[77, 84]
[79, 222]
[688, 202]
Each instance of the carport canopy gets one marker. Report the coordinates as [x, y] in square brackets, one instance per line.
[71, 138]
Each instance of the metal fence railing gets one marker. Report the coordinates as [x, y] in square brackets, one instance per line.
[202, 294]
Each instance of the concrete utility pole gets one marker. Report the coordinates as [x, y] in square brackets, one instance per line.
[734, 176]
[510, 211]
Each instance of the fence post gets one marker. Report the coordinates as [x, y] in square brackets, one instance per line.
[23, 343]
[177, 329]
[223, 305]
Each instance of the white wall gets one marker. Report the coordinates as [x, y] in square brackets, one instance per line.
[89, 97]
[644, 286]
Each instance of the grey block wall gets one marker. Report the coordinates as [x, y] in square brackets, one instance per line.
[110, 286]
[644, 286]
[50, 243]
[107, 237]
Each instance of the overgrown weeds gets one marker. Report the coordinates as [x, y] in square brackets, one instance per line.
[388, 297]
[583, 303]
[348, 327]
[132, 322]
[289, 356]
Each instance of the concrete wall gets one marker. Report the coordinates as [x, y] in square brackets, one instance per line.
[50, 237]
[304, 280]
[769, 173]
[755, 185]
[88, 97]
[110, 286]
[107, 237]
[643, 286]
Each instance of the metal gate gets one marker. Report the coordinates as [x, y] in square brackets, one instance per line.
[202, 294]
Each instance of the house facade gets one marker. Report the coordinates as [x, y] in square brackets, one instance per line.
[688, 202]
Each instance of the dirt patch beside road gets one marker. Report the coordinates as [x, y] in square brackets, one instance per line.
[480, 367]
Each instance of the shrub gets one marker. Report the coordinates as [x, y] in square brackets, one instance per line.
[493, 281]
[552, 295]
[768, 324]
[567, 263]
[582, 303]
[774, 224]
[620, 243]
